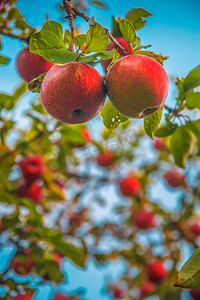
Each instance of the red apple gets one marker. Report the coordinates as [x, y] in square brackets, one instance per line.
[3, 3]
[130, 186]
[121, 40]
[195, 226]
[1, 226]
[156, 271]
[175, 178]
[144, 219]
[32, 191]
[23, 267]
[195, 293]
[159, 144]
[60, 296]
[21, 297]
[86, 134]
[30, 65]
[146, 288]
[137, 85]
[32, 167]
[118, 292]
[105, 159]
[73, 93]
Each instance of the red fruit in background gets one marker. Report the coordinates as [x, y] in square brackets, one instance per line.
[159, 144]
[23, 267]
[121, 40]
[118, 292]
[61, 296]
[175, 178]
[57, 257]
[30, 65]
[3, 3]
[21, 297]
[144, 219]
[1, 226]
[146, 288]
[130, 186]
[86, 134]
[105, 159]
[195, 293]
[73, 93]
[195, 228]
[32, 167]
[137, 85]
[75, 220]
[156, 271]
[32, 191]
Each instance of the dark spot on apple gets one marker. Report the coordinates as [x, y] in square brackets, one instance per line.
[78, 113]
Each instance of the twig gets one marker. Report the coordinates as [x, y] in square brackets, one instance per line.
[71, 15]
[17, 36]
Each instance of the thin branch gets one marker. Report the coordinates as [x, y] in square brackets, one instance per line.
[71, 15]
[14, 35]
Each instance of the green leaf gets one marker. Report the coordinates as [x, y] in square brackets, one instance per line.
[92, 58]
[192, 80]
[111, 117]
[194, 126]
[99, 3]
[115, 26]
[166, 129]
[189, 275]
[34, 85]
[48, 43]
[20, 90]
[159, 57]
[127, 31]
[136, 15]
[179, 84]
[53, 270]
[9, 101]
[193, 100]
[10, 221]
[72, 135]
[152, 122]
[116, 56]
[4, 60]
[80, 40]
[180, 144]
[96, 39]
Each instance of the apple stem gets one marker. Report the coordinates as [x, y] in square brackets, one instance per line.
[70, 15]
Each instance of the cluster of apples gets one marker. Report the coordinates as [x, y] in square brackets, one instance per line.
[58, 296]
[74, 92]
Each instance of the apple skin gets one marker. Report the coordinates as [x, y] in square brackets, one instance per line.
[195, 293]
[32, 191]
[23, 267]
[73, 93]
[121, 40]
[105, 159]
[195, 227]
[21, 297]
[175, 178]
[60, 296]
[144, 219]
[32, 167]
[156, 271]
[159, 144]
[146, 288]
[30, 65]
[137, 85]
[130, 186]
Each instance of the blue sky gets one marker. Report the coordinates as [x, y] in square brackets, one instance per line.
[173, 30]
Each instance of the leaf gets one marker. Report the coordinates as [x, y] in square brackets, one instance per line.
[193, 100]
[9, 101]
[48, 43]
[92, 58]
[80, 40]
[194, 126]
[35, 84]
[166, 130]
[189, 275]
[99, 3]
[136, 15]
[111, 117]
[192, 80]
[115, 27]
[159, 57]
[179, 84]
[4, 60]
[10, 221]
[180, 144]
[152, 122]
[127, 31]
[96, 39]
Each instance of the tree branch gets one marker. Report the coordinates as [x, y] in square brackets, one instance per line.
[21, 37]
[71, 15]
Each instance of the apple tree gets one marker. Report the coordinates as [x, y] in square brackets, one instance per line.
[56, 176]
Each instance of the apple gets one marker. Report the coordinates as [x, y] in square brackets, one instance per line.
[137, 85]
[121, 40]
[30, 65]
[195, 227]
[144, 219]
[3, 3]
[60, 296]
[156, 271]
[32, 191]
[195, 293]
[146, 288]
[23, 267]
[159, 144]
[105, 159]
[73, 93]
[32, 167]
[118, 292]
[175, 178]
[21, 297]
[1, 226]
[130, 186]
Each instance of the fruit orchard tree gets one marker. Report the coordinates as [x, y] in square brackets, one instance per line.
[56, 176]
